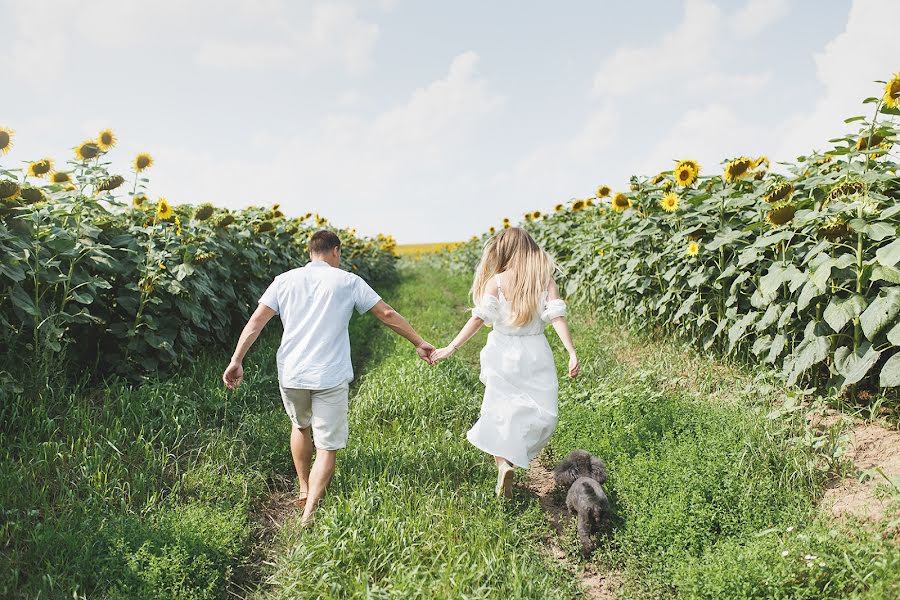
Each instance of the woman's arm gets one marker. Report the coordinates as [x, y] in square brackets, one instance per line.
[465, 334]
[562, 330]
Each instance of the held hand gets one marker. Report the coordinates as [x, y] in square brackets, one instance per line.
[233, 375]
[443, 354]
[574, 366]
[426, 352]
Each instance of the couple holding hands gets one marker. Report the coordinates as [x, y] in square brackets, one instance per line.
[513, 292]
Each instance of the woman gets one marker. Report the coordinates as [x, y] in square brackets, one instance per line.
[514, 292]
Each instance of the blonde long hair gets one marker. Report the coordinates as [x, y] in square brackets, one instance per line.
[528, 268]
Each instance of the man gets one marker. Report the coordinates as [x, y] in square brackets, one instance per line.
[315, 303]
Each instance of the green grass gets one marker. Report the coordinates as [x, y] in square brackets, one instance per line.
[411, 512]
[141, 492]
[708, 490]
[152, 492]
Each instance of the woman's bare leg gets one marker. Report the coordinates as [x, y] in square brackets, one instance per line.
[505, 471]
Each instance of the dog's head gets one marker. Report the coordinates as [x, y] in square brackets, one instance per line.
[579, 463]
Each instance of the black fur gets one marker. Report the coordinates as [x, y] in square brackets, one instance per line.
[587, 499]
[580, 463]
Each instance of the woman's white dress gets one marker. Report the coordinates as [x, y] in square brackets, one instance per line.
[519, 411]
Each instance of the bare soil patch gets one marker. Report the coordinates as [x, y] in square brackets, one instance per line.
[874, 452]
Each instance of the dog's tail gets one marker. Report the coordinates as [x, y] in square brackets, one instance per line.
[585, 518]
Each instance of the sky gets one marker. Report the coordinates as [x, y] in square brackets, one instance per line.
[433, 120]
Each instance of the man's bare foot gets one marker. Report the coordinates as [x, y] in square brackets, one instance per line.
[300, 502]
[307, 522]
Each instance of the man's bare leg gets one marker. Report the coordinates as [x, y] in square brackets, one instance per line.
[319, 478]
[301, 452]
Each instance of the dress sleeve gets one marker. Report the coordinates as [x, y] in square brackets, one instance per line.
[553, 309]
[488, 310]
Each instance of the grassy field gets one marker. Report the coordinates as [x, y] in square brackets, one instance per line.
[157, 491]
[413, 250]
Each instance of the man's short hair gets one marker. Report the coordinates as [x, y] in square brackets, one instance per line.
[323, 242]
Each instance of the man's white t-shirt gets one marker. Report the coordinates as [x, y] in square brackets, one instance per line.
[315, 303]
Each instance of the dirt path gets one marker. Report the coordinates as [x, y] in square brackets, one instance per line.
[874, 452]
[539, 481]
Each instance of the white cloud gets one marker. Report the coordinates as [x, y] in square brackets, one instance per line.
[553, 172]
[708, 135]
[680, 53]
[756, 15]
[693, 52]
[403, 164]
[336, 35]
[865, 51]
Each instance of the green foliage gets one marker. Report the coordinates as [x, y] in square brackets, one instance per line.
[709, 488]
[798, 270]
[135, 289]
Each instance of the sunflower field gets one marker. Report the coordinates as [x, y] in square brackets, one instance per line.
[127, 284]
[795, 266]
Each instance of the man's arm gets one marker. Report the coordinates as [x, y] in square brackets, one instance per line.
[395, 321]
[234, 374]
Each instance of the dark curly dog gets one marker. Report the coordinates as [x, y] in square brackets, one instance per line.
[585, 473]
[580, 463]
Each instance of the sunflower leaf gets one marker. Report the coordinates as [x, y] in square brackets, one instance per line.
[853, 366]
[880, 312]
[841, 311]
[890, 372]
[889, 255]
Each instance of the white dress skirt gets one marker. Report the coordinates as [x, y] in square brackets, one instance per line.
[519, 411]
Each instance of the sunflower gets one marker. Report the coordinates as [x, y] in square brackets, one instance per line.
[204, 211]
[60, 177]
[6, 136]
[265, 226]
[762, 160]
[32, 194]
[604, 191]
[559, 208]
[867, 142]
[693, 249]
[657, 178]
[106, 139]
[87, 150]
[667, 185]
[824, 160]
[892, 92]
[635, 187]
[781, 213]
[834, 229]
[578, 205]
[506, 223]
[589, 202]
[492, 230]
[277, 214]
[138, 201]
[686, 172]
[536, 215]
[9, 190]
[738, 169]
[779, 193]
[142, 161]
[177, 225]
[669, 202]
[110, 183]
[164, 210]
[228, 220]
[847, 188]
[621, 202]
[40, 168]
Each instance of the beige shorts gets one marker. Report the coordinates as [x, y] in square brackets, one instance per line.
[324, 410]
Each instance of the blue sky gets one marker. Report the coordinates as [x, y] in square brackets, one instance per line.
[433, 120]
